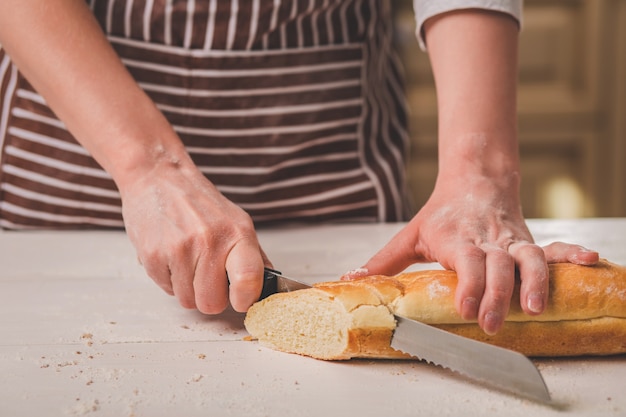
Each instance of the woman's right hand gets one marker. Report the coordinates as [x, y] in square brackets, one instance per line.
[188, 237]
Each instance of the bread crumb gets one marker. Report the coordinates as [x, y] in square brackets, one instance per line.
[248, 339]
[88, 338]
[67, 363]
[84, 408]
[196, 378]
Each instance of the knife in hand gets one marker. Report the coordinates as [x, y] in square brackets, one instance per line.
[493, 366]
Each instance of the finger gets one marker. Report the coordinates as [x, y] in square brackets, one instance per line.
[210, 285]
[499, 284]
[395, 256]
[469, 265]
[355, 274]
[158, 271]
[266, 259]
[245, 271]
[565, 252]
[182, 270]
[534, 275]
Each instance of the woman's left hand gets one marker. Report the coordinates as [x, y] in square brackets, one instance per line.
[476, 228]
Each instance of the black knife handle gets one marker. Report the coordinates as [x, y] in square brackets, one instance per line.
[270, 282]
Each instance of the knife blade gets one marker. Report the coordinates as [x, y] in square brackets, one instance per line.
[493, 366]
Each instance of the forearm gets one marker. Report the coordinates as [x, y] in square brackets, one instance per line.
[59, 47]
[473, 221]
[191, 240]
[474, 60]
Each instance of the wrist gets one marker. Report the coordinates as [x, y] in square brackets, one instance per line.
[153, 162]
[142, 151]
[479, 154]
[481, 185]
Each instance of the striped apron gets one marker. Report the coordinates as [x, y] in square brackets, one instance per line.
[294, 109]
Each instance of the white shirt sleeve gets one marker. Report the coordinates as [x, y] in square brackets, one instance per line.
[425, 9]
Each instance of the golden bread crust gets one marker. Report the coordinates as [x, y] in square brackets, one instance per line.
[576, 292]
[594, 337]
[586, 315]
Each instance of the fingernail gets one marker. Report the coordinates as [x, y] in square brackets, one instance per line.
[535, 302]
[492, 323]
[469, 308]
[355, 273]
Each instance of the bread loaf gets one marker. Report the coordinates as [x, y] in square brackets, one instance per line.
[586, 315]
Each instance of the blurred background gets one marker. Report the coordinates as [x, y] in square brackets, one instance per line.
[572, 107]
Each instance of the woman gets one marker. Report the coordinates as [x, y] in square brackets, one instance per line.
[205, 118]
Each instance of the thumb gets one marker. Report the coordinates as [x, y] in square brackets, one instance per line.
[391, 259]
[244, 266]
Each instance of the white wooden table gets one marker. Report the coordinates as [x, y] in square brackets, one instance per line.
[85, 332]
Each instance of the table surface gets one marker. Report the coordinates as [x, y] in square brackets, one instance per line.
[85, 332]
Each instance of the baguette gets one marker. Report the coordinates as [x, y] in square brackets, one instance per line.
[340, 320]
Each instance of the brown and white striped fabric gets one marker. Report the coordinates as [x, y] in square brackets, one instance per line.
[293, 108]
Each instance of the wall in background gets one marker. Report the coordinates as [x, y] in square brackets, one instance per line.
[572, 107]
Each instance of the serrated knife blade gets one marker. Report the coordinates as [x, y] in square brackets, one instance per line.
[491, 365]
[499, 368]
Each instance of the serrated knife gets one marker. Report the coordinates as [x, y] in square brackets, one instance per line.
[492, 366]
